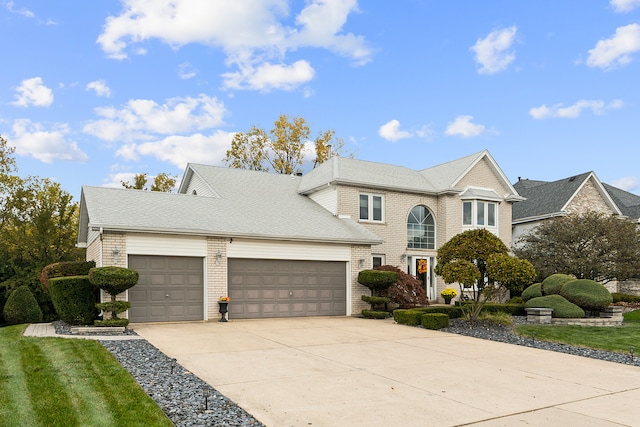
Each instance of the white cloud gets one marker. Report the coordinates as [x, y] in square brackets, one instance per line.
[142, 119]
[48, 146]
[616, 51]
[186, 71]
[493, 53]
[574, 111]
[627, 183]
[100, 88]
[23, 11]
[252, 33]
[180, 150]
[391, 131]
[462, 126]
[33, 92]
[270, 76]
[624, 6]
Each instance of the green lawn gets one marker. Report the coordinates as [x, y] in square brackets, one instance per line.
[68, 382]
[618, 339]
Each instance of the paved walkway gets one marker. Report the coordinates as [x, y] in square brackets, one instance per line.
[343, 371]
[48, 330]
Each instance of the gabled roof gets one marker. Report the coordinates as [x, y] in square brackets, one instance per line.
[436, 180]
[628, 203]
[343, 170]
[549, 199]
[250, 204]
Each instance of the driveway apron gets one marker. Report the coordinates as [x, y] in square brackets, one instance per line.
[346, 371]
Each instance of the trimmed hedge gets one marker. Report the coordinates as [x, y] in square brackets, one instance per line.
[22, 307]
[434, 321]
[377, 280]
[453, 311]
[587, 294]
[561, 307]
[620, 297]
[65, 269]
[532, 291]
[413, 316]
[509, 308]
[552, 284]
[373, 314]
[73, 299]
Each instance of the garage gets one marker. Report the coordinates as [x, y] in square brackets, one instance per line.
[261, 288]
[170, 289]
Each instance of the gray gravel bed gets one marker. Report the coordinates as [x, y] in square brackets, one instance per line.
[179, 393]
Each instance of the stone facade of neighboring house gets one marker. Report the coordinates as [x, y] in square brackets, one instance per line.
[576, 194]
[287, 246]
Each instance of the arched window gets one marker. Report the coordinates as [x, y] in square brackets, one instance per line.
[421, 229]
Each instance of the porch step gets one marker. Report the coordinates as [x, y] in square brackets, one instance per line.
[97, 329]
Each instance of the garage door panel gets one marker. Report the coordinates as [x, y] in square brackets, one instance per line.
[181, 278]
[284, 288]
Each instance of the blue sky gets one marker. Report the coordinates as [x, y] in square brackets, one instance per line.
[92, 92]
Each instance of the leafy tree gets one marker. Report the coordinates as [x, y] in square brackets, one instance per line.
[282, 149]
[514, 274]
[162, 182]
[38, 226]
[464, 259]
[588, 246]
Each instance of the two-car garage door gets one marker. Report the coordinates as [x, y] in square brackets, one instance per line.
[171, 288]
[285, 288]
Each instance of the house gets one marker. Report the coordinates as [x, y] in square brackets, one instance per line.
[575, 194]
[287, 246]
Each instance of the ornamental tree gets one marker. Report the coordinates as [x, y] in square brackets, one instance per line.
[592, 246]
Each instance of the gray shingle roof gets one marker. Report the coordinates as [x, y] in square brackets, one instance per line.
[628, 203]
[251, 204]
[545, 198]
[343, 170]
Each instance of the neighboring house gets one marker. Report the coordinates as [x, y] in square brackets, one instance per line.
[285, 246]
[576, 194]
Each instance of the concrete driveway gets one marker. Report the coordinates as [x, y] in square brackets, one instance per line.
[343, 371]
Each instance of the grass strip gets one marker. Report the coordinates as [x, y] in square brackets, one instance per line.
[68, 382]
[619, 338]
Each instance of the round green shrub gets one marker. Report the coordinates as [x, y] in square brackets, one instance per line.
[113, 280]
[22, 307]
[73, 299]
[377, 280]
[561, 307]
[552, 284]
[532, 291]
[434, 321]
[587, 294]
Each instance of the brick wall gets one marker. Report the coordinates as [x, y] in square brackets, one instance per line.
[359, 252]
[216, 274]
[110, 241]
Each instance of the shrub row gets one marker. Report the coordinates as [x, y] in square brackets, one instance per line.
[620, 297]
[413, 316]
[373, 314]
[434, 321]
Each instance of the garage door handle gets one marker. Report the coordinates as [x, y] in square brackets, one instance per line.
[167, 295]
[290, 293]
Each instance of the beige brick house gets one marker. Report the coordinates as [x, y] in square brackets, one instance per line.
[288, 246]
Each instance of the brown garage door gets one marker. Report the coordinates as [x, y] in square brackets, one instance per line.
[280, 288]
[170, 289]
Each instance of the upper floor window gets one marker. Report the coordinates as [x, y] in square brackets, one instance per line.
[478, 213]
[370, 207]
[421, 229]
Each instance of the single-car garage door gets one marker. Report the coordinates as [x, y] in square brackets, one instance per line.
[170, 289]
[282, 288]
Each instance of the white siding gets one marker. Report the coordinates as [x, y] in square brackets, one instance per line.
[327, 198]
[158, 244]
[287, 250]
[200, 187]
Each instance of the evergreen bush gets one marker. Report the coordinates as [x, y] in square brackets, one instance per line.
[64, 269]
[532, 291]
[22, 307]
[552, 284]
[73, 299]
[435, 321]
[587, 294]
[561, 307]
[373, 314]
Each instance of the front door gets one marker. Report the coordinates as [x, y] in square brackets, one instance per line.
[422, 268]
